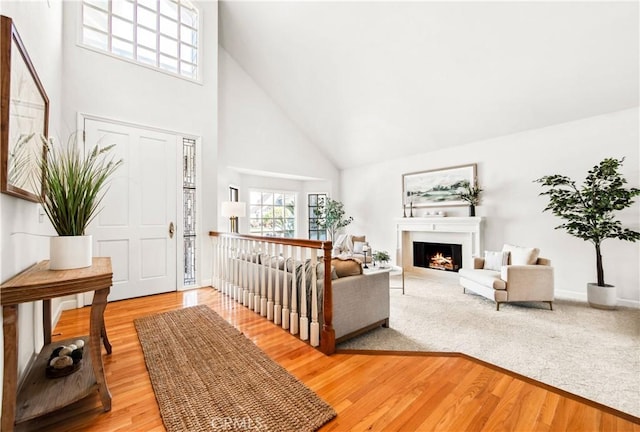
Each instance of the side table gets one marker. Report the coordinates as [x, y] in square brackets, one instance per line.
[39, 395]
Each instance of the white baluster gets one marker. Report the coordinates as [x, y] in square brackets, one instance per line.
[294, 294]
[277, 308]
[315, 325]
[285, 289]
[259, 289]
[269, 300]
[304, 319]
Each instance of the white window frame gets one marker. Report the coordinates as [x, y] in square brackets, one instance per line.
[296, 208]
[200, 51]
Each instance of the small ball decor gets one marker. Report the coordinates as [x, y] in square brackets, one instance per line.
[65, 360]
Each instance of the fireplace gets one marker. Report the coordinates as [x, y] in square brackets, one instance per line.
[438, 256]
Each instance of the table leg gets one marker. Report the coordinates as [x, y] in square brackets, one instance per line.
[10, 378]
[105, 338]
[96, 327]
[46, 320]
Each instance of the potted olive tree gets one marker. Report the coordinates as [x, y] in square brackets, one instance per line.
[330, 214]
[589, 212]
[73, 188]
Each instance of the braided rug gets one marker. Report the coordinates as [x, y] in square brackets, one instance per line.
[208, 376]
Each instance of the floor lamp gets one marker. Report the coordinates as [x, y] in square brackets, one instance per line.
[233, 210]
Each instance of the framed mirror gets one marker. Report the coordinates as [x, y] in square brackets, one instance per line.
[24, 118]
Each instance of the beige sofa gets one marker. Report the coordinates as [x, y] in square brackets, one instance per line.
[524, 277]
[360, 301]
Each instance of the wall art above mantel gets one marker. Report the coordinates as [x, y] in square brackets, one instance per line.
[438, 187]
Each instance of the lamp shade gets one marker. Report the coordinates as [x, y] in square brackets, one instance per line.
[234, 209]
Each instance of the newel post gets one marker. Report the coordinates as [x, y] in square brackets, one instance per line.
[328, 336]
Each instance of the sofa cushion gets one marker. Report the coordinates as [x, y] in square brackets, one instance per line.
[521, 255]
[495, 260]
[490, 278]
[347, 267]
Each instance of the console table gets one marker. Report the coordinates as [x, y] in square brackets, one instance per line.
[39, 395]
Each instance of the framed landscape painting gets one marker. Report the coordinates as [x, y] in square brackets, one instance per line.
[439, 187]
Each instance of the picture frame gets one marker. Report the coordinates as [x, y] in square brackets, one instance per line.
[437, 187]
[24, 119]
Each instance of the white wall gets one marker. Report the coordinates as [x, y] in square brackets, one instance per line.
[40, 28]
[507, 167]
[256, 135]
[105, 86]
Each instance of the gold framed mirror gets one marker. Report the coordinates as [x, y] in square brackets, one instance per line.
[24, 117]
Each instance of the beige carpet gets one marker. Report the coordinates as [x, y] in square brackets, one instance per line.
[208, 376]
[585, 351]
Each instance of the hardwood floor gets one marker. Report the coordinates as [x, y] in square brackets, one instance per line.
[387, 391]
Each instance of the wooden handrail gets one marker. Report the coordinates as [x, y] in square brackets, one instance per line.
[327, 336]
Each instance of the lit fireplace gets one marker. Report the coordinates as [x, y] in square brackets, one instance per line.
[439, 256]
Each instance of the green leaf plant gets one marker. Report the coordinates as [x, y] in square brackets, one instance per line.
[74, 184]
[330, 214]
[589, 210]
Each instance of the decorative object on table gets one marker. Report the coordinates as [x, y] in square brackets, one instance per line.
[65, 360]
[24, 118]
[589, 212]
[411, 209]
[233, 210]
[74, 186]
[330, 214]
[471, 195]
[365, 249]
[437, 188]
[404, 210]
[382, 258]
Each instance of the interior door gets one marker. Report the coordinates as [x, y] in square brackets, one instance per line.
[137, 224]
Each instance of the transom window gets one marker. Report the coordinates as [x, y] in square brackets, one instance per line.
[158, 33]
[272, 214]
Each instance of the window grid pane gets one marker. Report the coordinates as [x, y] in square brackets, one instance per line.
[163, 34]
[272, 214]
[315, 232]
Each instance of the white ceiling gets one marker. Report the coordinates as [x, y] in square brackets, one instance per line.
[367, 80]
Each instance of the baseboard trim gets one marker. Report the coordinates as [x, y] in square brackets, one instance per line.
[582, 297]
[63, 306]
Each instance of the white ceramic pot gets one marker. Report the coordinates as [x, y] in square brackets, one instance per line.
[602, 297]
[70, 252]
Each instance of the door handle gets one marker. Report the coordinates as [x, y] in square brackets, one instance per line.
[172, 229]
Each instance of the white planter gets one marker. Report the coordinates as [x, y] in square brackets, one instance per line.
[602, 297]
[70, 252]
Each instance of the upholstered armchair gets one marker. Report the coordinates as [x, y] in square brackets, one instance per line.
[513, 275]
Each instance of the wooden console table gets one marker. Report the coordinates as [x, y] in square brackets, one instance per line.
[39, 395]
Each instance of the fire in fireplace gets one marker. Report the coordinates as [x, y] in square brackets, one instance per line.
[439, 256]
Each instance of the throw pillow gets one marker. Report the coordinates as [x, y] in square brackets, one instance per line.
[347, 267]
[357, 247]
[495, 260]
[521, 255]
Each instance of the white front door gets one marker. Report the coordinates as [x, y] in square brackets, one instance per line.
[138, 211]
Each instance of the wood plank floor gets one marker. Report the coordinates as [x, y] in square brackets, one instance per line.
[392, 392]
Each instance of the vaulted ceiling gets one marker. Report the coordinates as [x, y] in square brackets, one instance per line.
[368, 80]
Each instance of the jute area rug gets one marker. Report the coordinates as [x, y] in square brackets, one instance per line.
[208, 376]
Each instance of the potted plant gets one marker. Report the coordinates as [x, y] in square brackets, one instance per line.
[73, 188]
[589, 212]
[471, 195]
[330, 214]
[382, 257]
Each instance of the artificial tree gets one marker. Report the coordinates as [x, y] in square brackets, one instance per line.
[330, 216]
[589, 210]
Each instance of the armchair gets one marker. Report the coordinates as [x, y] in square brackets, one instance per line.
[531, 280]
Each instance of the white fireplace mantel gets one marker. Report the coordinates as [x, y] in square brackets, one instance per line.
[464, 230]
